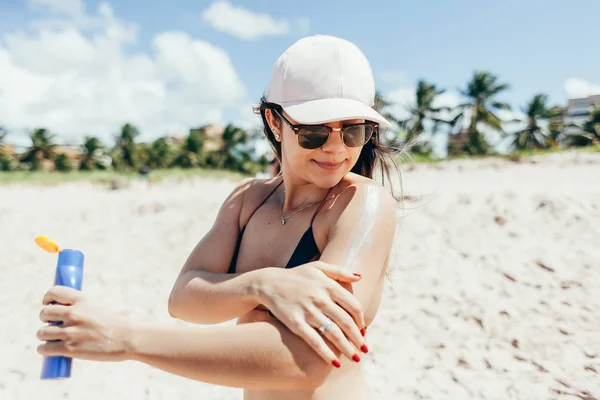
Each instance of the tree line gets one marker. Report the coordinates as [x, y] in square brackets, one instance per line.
[127, 154]
[543, 127]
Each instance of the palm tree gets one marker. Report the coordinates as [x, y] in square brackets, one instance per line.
[233, 137]
[6, 161]
[589, 133]
[533, 136]
[62, 163]
[231, 155]
[556, 126]
[381, 104]
[159, 154]
[422, 111]
[90, 154]
[41, 148]
[124, 152]
[234, 156]
[481, 92]
[190, 155]
[3, 134]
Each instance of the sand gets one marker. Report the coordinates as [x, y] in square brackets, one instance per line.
[495, 293]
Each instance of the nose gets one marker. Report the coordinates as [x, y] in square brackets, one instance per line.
[335, 144]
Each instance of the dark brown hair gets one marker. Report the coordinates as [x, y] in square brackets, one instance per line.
[373, 154]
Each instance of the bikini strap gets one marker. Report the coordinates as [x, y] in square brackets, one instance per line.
[320, 206]
[264, 201]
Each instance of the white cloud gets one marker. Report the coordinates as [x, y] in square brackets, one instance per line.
[577, 88]
[401, 98]
[245, 24]
[511, 115]
[77, 81]
[447, 99]
[246, 118]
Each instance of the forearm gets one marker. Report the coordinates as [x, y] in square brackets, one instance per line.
[210, 298]
[258, 355]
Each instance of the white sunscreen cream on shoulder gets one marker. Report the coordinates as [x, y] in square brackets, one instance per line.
[362, 232]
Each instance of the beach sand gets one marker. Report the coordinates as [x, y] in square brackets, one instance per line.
[494, 292]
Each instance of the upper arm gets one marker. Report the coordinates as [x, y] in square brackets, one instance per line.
[361, 239]
[222, 236]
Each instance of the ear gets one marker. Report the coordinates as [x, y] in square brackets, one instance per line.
[274, 123]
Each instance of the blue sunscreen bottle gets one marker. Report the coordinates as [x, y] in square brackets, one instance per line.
[69, 272]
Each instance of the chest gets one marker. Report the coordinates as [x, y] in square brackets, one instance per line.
[267, 242]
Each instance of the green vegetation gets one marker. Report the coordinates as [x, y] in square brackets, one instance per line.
[107, 176]
[227, 152]
[44, 162]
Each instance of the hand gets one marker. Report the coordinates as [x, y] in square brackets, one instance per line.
[88, 331]
[304, 297]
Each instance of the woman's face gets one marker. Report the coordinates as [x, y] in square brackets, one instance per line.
[324, 166]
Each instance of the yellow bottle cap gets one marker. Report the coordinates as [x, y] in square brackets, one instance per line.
[46, 244]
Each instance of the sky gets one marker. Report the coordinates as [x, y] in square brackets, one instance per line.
[81, 67]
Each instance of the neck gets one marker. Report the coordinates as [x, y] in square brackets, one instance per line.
[300, 194]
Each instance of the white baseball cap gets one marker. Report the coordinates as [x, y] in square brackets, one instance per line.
[323, 78]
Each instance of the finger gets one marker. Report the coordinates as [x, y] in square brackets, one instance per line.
[53, 349]
[61, 294]
[338, 273]
[350, 303]
[347, 325]
[336, 337]
[54, 313]
[52, 333]
[317, 343]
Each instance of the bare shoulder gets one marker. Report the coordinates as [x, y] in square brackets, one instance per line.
[356, 202]
[253, 192]
[249, 188]
[359, 196]
[237, 207]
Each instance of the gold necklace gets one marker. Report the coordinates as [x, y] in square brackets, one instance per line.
[297, 211]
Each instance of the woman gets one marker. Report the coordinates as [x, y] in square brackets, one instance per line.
[301, 257]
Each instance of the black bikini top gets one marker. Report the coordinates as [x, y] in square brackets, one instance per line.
[305, 251]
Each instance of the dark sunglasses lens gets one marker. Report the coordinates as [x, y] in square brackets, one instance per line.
[312, 137]
[358, 135]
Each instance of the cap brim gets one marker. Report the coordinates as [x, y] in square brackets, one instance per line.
[327, 110]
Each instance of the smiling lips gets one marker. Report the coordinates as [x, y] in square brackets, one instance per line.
[330, 166]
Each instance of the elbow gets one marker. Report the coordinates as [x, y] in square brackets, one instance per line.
[178, 306]
[173, 305]
[178, 303]
[314, 374]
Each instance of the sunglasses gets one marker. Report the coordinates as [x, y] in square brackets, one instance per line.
[314, 136]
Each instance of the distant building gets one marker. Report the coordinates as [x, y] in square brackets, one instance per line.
[175, 139]
[72, 152]
[577, 112]
[7, 149]
[213, 136]
[457, 141]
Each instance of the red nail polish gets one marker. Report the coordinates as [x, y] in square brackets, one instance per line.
[364, 348]
[336, 363]
[356, 358]
[357, 274]
[363, 331]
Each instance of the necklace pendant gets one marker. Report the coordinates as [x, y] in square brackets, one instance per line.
[282, 221]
